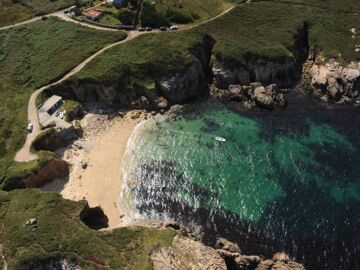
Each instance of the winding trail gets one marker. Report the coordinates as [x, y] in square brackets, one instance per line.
[25, 154]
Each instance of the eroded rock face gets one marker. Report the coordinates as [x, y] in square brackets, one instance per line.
[186, 253]
[224, 77]
[284, 73]
[185, 86]
[332, 81]
[254, 94]
[179, 88]
[54, 169]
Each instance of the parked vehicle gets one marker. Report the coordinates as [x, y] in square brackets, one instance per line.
[62, 115]
[173, 27]
[30, 127]
[44, 18]
[141, 29]
[66, 11]
[148, 29]
[163, 28]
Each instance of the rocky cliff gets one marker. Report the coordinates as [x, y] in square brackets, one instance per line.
[159, 93]
[331, 80]
[284, 71]
[188, 253]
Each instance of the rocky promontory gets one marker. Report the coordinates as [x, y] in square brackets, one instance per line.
[331, 80]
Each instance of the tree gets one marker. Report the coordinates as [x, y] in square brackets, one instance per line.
[126, 16]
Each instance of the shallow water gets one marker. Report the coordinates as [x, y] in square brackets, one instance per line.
[283, 180]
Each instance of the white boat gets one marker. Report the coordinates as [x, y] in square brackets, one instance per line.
[220, 139]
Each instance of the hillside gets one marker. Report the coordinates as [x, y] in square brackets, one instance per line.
[30, 57]
[268, 40]
[60, 234]
[179, 12]
[17, 11]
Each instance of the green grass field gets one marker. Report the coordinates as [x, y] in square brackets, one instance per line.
[167, 12]
[33, 56]
[61, 234]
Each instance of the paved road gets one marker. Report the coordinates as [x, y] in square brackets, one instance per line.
[24, 154]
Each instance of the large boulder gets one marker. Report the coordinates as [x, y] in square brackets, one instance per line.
[262, 99]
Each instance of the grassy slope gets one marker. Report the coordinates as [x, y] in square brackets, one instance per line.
[21, 10]
[132, 60]
[335, 5]
[267, 29]
[174, 11]
[263, 29]
[60, 233]
[33, 56]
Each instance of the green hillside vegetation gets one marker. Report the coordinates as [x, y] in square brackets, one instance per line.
[30, 57]
[265, 31]
[334, 5]
[61, 234]
[13, 11]
[167, 12]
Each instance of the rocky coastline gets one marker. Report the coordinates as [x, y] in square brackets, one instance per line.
[324, 77]
[258, 83]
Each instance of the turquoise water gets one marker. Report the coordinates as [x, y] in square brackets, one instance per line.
[288, 179]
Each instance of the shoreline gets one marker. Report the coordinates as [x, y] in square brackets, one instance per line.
[96, 163]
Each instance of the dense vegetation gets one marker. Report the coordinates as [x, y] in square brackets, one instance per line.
[33, 56]
[60, 234]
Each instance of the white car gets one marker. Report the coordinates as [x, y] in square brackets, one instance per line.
[30, 127]
[173, 27]
[62, 115]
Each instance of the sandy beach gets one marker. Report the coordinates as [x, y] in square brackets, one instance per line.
[96, 160]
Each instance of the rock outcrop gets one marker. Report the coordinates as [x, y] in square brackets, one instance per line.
[330, 80]
[280, 261]
[186, 253]
[237, 261]
[254, 94]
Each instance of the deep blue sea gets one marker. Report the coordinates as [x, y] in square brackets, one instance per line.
[286, 180]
